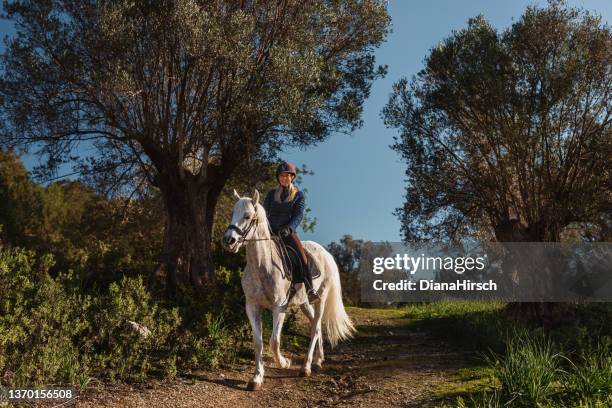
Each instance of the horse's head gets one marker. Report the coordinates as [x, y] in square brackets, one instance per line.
[244, 222]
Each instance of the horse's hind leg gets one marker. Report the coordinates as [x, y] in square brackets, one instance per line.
[278, 317]
[315, 333]
[254, 314]
[318, 356]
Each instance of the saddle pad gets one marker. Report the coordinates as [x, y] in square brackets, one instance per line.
[295, 272]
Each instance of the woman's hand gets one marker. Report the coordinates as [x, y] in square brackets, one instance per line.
[284, 232]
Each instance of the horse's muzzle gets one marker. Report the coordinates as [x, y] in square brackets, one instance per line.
[228, 238]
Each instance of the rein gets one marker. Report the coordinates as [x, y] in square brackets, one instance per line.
[243, 238]
[283, 251]
[243, 234]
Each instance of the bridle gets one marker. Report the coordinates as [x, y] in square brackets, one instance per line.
[242, 237]
[242, 234]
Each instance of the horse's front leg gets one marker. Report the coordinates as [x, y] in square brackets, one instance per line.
[278, 317]
[315, 334]
[254, 314]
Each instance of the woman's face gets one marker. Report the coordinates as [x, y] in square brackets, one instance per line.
[284, 179]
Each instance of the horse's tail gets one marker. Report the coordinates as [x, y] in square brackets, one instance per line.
[337, 323]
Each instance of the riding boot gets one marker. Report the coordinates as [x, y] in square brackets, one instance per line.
[313, 296]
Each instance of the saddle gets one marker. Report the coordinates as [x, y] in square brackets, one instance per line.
[292, 263]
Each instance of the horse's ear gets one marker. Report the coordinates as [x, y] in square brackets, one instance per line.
[236, 194]
[255, 197]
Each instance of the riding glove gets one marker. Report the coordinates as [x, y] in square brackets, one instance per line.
[285, 232]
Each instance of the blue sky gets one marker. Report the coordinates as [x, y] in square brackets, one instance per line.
[358, 179]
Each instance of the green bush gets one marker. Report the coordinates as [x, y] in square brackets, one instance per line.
[208, 343]
[75, 315]
[125, 353]
[39, 321]
[50, 332]
[472, 325]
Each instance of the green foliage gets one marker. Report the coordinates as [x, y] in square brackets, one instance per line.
[570, 365]
[130, 355]
[74, 306]
[592, 375]
[472, 325]
[207, 344]
[20, 203]
[531, 374]
[528, 370]
[51, 332]
[347, 254]
[586, 330]
[479, 400]
[101, 239]
[478, 126]
[39, 320]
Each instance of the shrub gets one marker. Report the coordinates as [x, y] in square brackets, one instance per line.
[39, 321]
[125, 353]
[50, 332]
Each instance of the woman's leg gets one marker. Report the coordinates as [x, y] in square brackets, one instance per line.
[294, 241]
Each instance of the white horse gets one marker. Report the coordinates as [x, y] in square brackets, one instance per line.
[264, 285]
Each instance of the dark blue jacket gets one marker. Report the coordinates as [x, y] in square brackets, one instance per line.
[285, 214]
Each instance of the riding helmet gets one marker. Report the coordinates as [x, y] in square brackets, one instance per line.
[286, 167]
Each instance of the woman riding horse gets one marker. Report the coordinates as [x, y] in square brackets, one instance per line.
[284, 206]
[264, 281]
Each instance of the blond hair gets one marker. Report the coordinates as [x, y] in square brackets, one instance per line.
[292, 192]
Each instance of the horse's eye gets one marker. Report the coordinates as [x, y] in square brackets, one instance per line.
[247, 217]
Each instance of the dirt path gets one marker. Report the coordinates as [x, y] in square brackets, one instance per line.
[388, 363]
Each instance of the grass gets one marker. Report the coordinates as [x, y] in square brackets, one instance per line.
[528, 371]
[467, 381]
[593, 374]
[514, 365]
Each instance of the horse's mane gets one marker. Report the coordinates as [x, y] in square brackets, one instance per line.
[261, 214]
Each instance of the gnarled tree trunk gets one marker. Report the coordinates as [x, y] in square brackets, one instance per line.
[190, 208]
[547, 314]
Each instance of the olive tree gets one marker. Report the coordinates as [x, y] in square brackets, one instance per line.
[184, 92]
[508, 134]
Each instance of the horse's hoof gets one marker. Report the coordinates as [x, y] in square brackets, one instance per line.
[305, 372]
[287, 364]
[253, 386]
[317, 367]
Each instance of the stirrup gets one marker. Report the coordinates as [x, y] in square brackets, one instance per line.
[313, 296]
[290, 293]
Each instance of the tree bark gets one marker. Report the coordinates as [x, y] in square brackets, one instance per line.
[547, 314]
[187, 250]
